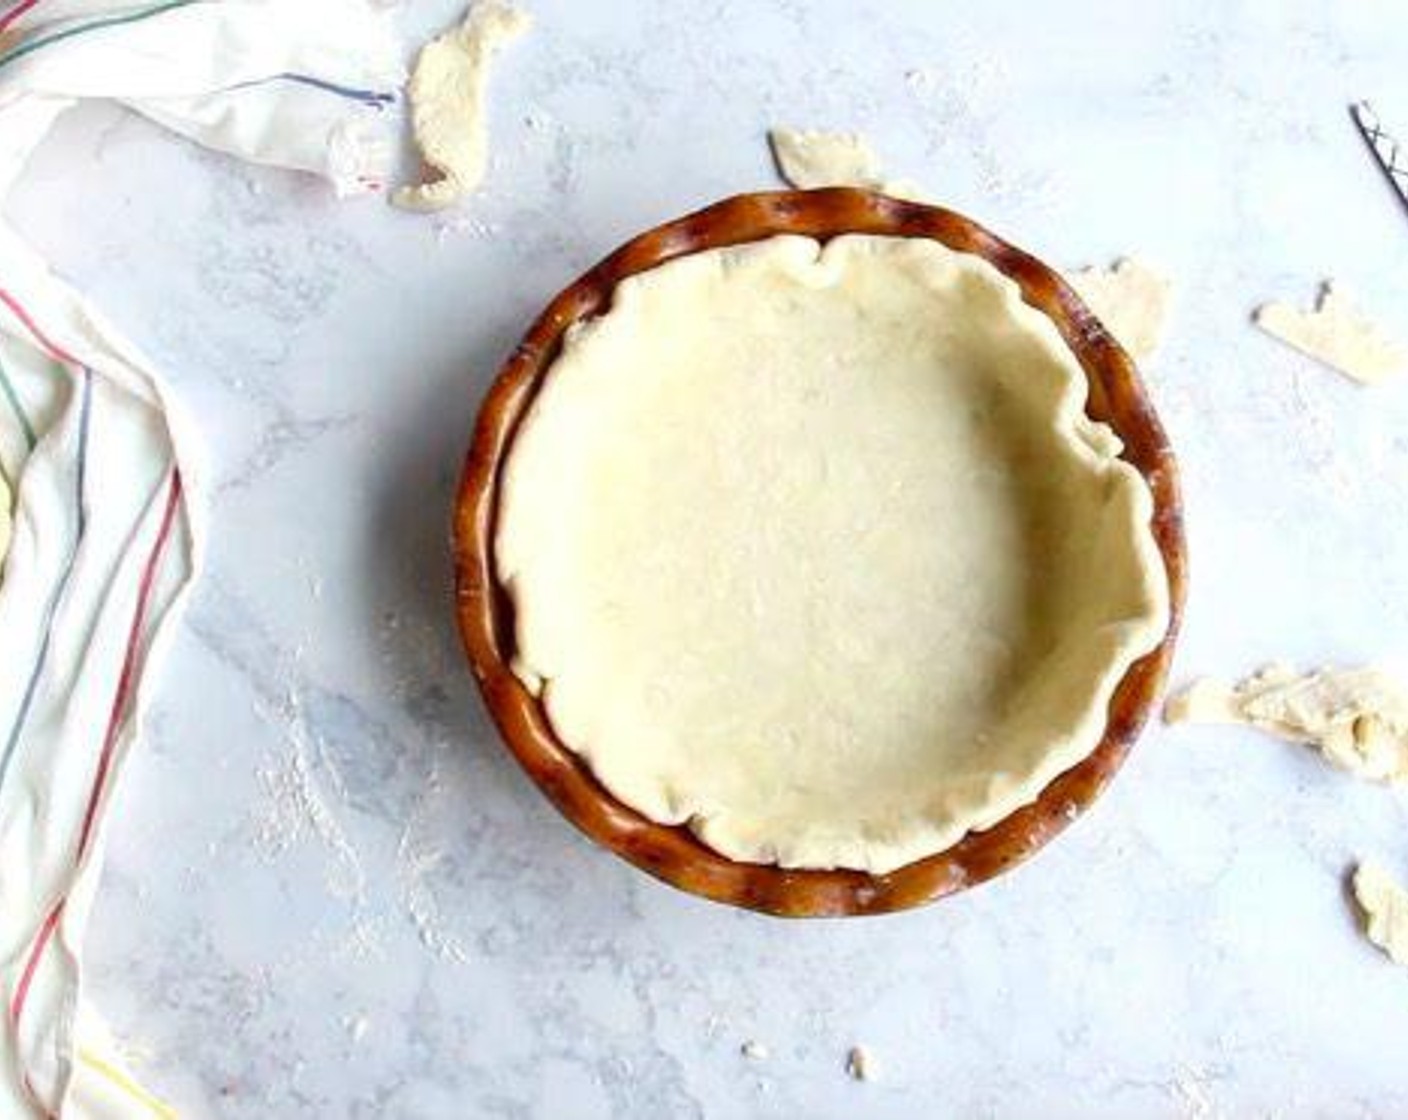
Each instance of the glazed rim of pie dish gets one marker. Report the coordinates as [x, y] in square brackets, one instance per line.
[672, 852]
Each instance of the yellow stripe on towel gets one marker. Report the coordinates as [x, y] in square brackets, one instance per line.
[125, 1083]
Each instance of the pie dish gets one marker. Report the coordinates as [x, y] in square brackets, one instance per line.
[828, 569]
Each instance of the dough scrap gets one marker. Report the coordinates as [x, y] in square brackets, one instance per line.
[800, 540]
[1356, 718]
[447, 94]
[1130, 298]
[809, 158]
[860, 1066]
[813, 158]
[1336, 334]
[1385, 905]
[754, 1051]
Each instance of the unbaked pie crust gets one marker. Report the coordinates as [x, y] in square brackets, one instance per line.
[815, 550]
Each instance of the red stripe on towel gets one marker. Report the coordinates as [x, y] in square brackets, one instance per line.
[8, 19]
[130, 662]
[116, 717]
[46, 931]
[56, 351]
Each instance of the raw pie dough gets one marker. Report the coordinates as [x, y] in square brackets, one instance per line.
[1130, 298]
[1337, 334]
[811, 158]
[815, 550]
[1356, 718]
[1385, 906]
[447, 103]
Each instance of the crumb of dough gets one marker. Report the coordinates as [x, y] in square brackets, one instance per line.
[1356, 718]
[447, 95]
[1336, 334]
[860, 1065]
[811, 158]
[1384, 903]
[754, 1051]
[1130, 298]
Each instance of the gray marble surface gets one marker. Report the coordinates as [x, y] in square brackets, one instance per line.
[331, 894]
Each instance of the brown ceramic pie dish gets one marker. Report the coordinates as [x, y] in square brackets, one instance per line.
[673, 853]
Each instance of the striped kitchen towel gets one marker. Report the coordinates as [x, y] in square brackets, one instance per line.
[106, 532]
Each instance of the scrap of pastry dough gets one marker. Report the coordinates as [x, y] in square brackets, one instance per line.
[1356, 718]
[447, 93]
[1130, 298]
[1385, 906]
[1337, 334]
[810, 158]
[860, 1065]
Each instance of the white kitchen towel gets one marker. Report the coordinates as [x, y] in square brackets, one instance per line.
[106, 532]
